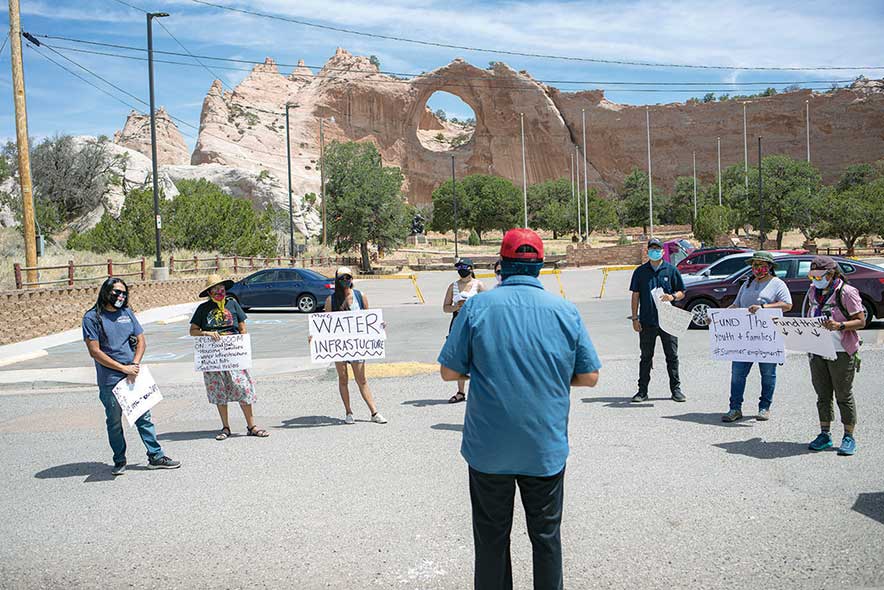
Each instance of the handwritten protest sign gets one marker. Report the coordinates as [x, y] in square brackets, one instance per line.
[807, 335]
[673, 321]
[347, 336]
[137, 398]
[230, 353]
[737, 335]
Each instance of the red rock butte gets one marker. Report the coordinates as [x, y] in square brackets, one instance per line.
[245, 128]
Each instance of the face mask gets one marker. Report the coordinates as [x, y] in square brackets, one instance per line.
[821, 283]
[119, 298]
[219, 295]
[655, 254]
[499, 280]
[345, 283]
[464, 272]
[760, 271]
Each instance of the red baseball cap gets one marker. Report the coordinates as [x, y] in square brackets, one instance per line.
[515, 239]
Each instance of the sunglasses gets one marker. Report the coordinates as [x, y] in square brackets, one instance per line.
[817, 275]
[759, 265]
[118, 292]
[345, 278]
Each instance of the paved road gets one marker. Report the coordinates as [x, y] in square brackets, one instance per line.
[658, 495]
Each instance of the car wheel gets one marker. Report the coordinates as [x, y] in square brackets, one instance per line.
[870, 313]
[699, 309]
[306, 303]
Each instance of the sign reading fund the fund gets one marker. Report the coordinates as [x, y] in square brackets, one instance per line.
[737, 335]
[347, 336]
[230, 353]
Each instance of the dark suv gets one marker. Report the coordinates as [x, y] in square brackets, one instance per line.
[793, 269]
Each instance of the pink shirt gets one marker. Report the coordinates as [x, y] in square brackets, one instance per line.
[852, 302]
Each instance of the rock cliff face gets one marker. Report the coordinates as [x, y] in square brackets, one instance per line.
[135, 135]
[246, 128]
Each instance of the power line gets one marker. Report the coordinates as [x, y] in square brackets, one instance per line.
[5, 41]
[413, 77]
[520, 53]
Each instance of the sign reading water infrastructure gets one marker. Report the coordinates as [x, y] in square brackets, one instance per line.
[137, 398]
[347, 336]
[737, 335]
[230, 353]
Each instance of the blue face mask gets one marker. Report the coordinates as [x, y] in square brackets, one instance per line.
[821, 283]
[655, 254]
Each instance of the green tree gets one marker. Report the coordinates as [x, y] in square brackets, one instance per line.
[853, 213]
[858, 174]
[484, 203]
[709, 97]
[602, 213]
[633, 201]
[365, 203]
[441, 115]
[712, 222]
[373, 60]
[552, 207]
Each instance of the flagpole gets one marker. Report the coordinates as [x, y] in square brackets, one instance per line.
[650, 182]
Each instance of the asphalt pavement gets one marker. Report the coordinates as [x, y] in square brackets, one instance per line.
[658, 495]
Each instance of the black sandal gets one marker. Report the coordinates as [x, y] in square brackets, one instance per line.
[457, 397]
[225, 432]
[255, 431]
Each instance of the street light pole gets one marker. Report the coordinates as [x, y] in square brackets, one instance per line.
[761, 237]
[585, 178]
[719, 172]
[322, 182]
[650, 182]
[745, 151]
[288, 159]
[577, 186]
[807, 121]
[572, 195]
[159, 272]
[524, 169]
[694, 154]
[454, 200]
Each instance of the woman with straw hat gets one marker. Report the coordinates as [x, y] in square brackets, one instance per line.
[217, 317]
[763, 290]
[346, 298]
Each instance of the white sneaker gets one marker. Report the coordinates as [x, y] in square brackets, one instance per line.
[378, 419]
[349, 419]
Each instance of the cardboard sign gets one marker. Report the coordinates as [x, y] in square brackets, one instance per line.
[230, 353]
[137, 398]
[807, 335]
[737, 335]
[347, 336]
[673, 320]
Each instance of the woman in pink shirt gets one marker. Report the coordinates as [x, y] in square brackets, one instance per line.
[832, 298]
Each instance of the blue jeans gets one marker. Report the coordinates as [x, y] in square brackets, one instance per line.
[114, 420]
[739, 372]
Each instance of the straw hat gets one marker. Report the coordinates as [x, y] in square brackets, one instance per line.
[213, 280]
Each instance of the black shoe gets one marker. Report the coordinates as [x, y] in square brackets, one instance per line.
[678, 396]
[163, 463]
[639, 398]
[119, 469]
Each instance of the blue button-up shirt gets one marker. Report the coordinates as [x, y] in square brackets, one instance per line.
[521, 346]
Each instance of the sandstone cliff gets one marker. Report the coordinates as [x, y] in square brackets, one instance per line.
[135, 135]
[245, 128]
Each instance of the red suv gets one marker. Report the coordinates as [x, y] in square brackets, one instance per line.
[700, 259]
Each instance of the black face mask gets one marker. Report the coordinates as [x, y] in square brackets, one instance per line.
[464, 272]
[118, 298]
[345, 282]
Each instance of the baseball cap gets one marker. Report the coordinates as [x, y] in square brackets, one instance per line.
[344, 270]
[516, 239]
[464, 263]
[655, 243]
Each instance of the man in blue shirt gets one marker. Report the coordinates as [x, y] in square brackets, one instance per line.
[656, 272]
[523, 349]
[115, 340]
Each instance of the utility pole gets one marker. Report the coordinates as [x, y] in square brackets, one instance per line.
[694, 154]
[454, 200]
[585, 178]
[807, 122]
[288, 160]
[761, 237]
[160, 272]
[745, 151]
[650, 182]
[322, 182]
[21, 136]
[524, 169]
[719, 172]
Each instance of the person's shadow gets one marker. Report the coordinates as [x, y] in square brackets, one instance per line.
[760, 449]
[188, 435]
[311, 422]
[451, 427]
[422, 403]
[871, 505]
[709, 419]
[622, 402]
[92, 470]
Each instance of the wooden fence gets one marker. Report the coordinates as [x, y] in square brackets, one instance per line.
[183, 266]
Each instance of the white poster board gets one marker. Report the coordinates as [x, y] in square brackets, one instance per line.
[230, 353]
[137, 398]
[737, 335]
[673, 320]
[347, 336]
[807, 335]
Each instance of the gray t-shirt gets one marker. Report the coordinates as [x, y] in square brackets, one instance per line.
[754, 293]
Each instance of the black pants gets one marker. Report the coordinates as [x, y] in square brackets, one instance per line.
[492, 498]
[647, 339]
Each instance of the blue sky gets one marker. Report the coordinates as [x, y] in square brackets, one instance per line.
[740, 34]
